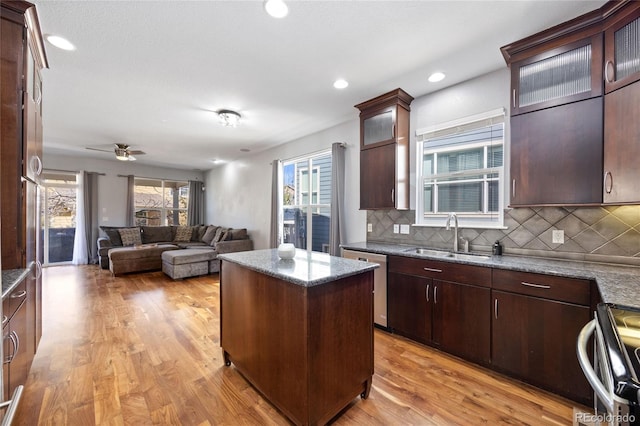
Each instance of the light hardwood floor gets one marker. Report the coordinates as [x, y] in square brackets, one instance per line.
[143, 349]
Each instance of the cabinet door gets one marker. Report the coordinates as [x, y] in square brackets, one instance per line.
[622, 49]
[20, 358]
[556, 155]
[378, 127]
[378, 177]
[622, 145]
[409, 306]
[560, 75]
[535, 339]
[462, 320]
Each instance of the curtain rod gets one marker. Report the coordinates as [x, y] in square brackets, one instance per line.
[72, 171]
[156, 178]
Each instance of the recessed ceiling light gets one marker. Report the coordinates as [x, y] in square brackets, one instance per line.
[340, 84]
[60, 42]
[276, 8]
[436, 76]
[245, 150]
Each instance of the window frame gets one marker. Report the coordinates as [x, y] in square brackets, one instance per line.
[485, 219]
[164, 210]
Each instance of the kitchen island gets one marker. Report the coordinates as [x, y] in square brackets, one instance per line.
[299, 330]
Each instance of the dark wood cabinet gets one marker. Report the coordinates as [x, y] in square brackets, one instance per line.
[384, 156]
[409, 307]
[428, 305]
[621, 47]
[17, 338]
[622, 145]
[535, 326]
[622, 107]
[556, 155]
[561, 122]
[566, 71]
[462, 322]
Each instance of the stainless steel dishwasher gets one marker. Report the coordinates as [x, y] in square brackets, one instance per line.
[379, 282]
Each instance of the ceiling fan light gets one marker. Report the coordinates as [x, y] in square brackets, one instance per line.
[122, 154]
[228, 118]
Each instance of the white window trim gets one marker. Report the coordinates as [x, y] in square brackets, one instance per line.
[465, 220]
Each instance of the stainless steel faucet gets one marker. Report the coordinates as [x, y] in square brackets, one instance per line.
[455, 229]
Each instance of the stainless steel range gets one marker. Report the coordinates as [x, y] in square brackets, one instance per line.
[614, 372]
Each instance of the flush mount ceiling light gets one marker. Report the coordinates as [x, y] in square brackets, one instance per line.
[228, 118]
[60, 42]
[436, 76]
[340, 83]
[276, 8]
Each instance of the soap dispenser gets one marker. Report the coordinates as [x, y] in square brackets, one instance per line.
[497, 248]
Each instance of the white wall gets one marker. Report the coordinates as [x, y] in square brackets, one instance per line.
[112, 190]
[239, 193]
[484, 93]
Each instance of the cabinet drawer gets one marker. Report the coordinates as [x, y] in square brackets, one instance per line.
[563, 289]
[14, 299]
[445, 271]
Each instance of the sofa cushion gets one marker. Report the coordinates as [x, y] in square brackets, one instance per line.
[130, 236]
[198, 233]
[183, 234]
[238, 234]
[156, 234]
[210, 234]
[112, 232]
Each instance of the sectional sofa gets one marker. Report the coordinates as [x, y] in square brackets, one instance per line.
[154, 240]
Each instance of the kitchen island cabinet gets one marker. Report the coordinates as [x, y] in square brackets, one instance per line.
[299, 330]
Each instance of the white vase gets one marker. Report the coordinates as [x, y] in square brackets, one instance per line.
[286, 251]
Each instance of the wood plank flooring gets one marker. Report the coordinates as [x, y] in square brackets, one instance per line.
[144, 350]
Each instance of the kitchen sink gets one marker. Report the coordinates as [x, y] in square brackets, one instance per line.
[448, 254]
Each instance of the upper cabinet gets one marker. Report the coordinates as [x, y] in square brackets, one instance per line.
[384, 155]
[563, 74]
[570, 145]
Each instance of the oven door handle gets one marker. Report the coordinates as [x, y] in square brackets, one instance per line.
[583, 358]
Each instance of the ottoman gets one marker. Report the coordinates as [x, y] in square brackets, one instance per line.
[137, 259]
[187, 262]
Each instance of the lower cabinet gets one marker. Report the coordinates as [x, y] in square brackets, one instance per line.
[426, 304]
[522, 324]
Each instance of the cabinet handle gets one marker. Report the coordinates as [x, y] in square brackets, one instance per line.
[432, 270]
[608, 189]
[4, 320]
[393, 195]
[435, 294]
[495, 308]
[514, 98]
[38, 269]
[427, 292]
[14, 345]
[23, 293]
[535, 285]
[606, 71]
[513, 188]
[17, 345]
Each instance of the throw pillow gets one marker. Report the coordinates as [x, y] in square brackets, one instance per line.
[238, 234]
[183, 234]
[221, 234]
[113, 233]
[130, 236]
[208, 236]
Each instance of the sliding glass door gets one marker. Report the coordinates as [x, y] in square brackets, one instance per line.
[60, 190]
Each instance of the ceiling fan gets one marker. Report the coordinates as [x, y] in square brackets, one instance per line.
[122, 151]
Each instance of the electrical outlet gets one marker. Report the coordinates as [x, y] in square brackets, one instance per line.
[557, 236]
[404, 229]
[396, 228]
[369, 227]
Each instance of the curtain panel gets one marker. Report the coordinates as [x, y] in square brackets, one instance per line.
[195, 209]
[336, 226]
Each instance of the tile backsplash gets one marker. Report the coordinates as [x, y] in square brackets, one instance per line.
[600, 234]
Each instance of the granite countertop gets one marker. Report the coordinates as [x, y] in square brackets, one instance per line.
[11, 278]
[619, 284]
[305, 269]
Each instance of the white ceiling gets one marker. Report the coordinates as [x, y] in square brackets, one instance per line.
[152, 73]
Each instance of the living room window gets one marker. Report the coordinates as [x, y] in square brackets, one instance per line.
[460, 169]
[160, 202]
[306, 202]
